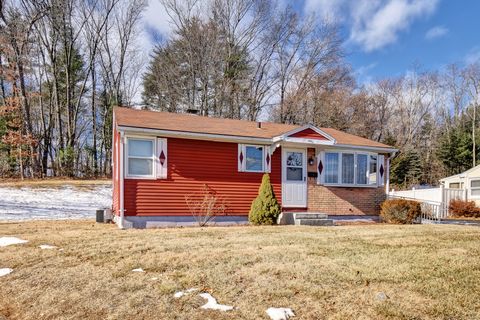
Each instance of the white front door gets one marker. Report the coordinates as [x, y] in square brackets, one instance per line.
[294, 178]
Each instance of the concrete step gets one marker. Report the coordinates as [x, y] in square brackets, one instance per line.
[302, 215]
[314, 222]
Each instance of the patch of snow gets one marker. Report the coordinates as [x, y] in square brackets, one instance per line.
[7, 241]
[212, 303]
[280, 313]
[180, 294]
[47, 247]
[138, 270]
[154, 278]
[66, 202]
[381, 296]
[5, 271]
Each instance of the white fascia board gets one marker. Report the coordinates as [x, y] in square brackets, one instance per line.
[306, 141]
[286, 135]
[194, 135]
[365, 148]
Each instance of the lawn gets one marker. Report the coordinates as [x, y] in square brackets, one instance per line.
[425, 271]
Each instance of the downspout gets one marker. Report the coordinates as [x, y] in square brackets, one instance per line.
[121, 178]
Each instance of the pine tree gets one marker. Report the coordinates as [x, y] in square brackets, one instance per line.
[265, 208]
[406, 169]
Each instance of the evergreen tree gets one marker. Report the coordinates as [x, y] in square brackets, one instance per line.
[406, 169]
[265, 208]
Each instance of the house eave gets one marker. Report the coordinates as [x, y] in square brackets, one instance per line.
[194, 135]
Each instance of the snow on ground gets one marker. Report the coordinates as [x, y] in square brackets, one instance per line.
[212, 303]
[138, 270]
[280, 313]
[7, 241]
[64, 202]
[47, 247]
[180, 294]
[5, 271]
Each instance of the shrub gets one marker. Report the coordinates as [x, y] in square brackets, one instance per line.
[460, 208]
[400, 211]
[205, 205]
[265, 208]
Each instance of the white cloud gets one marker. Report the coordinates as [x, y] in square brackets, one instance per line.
[376, 26]
[436, 32]
[373, 24]
[473, 56]
[326, 9]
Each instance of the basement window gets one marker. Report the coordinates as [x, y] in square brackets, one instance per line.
[140, 158]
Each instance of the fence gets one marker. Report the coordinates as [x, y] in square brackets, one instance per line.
[434, 201]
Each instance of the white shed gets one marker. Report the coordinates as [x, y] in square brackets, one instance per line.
[468, 180]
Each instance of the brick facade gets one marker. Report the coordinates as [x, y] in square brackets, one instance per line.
[345, 201]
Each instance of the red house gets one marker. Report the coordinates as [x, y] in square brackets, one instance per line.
[159, 157]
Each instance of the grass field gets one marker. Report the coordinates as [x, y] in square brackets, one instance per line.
[426, 271]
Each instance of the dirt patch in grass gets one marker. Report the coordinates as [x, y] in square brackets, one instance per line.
[425, 271]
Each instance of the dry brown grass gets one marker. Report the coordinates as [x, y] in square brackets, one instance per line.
[427, 271]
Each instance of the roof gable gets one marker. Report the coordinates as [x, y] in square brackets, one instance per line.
[308, 133]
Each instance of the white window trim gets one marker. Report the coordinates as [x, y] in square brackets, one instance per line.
[470, 196]
[355, 184]
[263, 157]
[242, 167]
[154, 169]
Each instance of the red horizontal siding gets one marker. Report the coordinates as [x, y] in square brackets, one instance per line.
[308, 134]
[191, 165]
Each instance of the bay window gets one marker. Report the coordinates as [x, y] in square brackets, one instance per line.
[372, 172]
[362, 168]
[350, 168]
[331, 167]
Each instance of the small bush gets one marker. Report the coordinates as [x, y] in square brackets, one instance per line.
[400, 211]
[265, 208]
[465, 209]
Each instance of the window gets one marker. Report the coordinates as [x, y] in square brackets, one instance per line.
[348, 168]
[254, 158]
[351, 169]
[331, 167]
[362, 168]
[372, 172]
[454, 185]
[475, 188]
[140, 157]
[294, 166]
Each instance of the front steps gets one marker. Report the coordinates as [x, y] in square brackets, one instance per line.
[305, 219]
[312, 219]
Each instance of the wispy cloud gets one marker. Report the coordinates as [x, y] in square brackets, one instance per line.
[436, 32]
[374, 24]
[473, 56]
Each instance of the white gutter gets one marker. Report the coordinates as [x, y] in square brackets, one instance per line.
[195, 135]
[379, 149]
[121, 180]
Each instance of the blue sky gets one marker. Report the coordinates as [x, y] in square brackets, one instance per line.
[386, 38]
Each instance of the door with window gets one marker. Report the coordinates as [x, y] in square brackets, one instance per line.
[294, 178]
